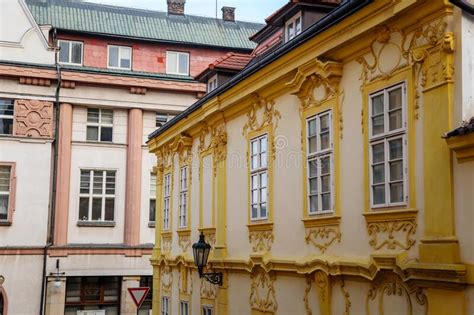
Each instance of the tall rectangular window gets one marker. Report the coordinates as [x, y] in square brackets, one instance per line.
[166, 201]
[97, 195]
[212, 84]
[5, 191]
[183, 196]
[100, 123]
[120, 57]
[165, 305]
[183, 308]
[388, 162]
[320, 157]
[70, 52]
[152, 211]
[177, 62]
[258, 177]
[207, 310]
[6, 116]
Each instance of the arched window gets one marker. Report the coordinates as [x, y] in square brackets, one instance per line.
[1, 303]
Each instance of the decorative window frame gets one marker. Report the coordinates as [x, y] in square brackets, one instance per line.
[188, 302]
[167, 172]
[11, 195]
[316, 84]
[162, 310]
[384, 222]
[70, 52]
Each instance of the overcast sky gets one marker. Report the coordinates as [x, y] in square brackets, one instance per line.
[247, 10]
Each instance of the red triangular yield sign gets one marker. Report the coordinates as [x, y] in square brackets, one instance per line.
[138, 295]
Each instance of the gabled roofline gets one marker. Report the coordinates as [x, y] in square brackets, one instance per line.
[346, 9]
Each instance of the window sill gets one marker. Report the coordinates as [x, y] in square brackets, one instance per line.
[184, 232]
[260, 226]
[96, 223]
[99, 143]
[151, 224]
[167, 233]
[5, 223]
[321, 220]
[391, 214]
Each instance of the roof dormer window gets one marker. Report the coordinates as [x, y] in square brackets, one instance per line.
[293, 27]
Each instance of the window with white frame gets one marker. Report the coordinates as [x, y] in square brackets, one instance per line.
[183, 196]
[162, 119]
[177, 62]
[165, 305]
[207, 310]
[97, 195]
[293, 27]
[183, 308]
[212, 83]
[120, 57]
[258, 177]
[70, 52]
[320, 160]
[166, 201]
[6, 116]
[388, 162]
[5, 190]
[152, 210]
[100, 123]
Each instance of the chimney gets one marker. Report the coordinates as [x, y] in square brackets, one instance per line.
[228, 14]
[176, 7]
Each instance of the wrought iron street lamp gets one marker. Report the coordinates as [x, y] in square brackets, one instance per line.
[201, 251]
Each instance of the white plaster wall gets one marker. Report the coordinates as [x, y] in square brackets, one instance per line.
[33, 167]
[289, 293]
[470, 299]
[9, 88]
[25, 41]
[23, 280]
[149, 124]
[108, 157]
[239, 290]
[237, 194]
[102, 265]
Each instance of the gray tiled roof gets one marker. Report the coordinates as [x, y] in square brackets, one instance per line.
[76, 15]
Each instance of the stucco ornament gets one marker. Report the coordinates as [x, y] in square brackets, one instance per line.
[390, 287]
[33, 119]
[166, 279]
[214, 139]
[208, 290]
[307, 291]
[322, 237]
[184, 241]
[385, 234]
[262, 292]
[346, 296]
[261, 241]
[323, 286]
[166, 241]
[270, 116]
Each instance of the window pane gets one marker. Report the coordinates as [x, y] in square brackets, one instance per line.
[254, 147]
[326, 202]
[97, 184]
[396, 150]
[396, 192]
[183, 63]
[83, 209]
[254, 182]
[93, 115]
[3, 207]
[106, 134]
[263, 210]
[324, 123]
[76, 53]
[395, 99]
[110, 183]
[377, 125]
[125, 63]
[395, 119]
[254, 212]
[96, 209]
[109, 209]
[107, 116]
[263, 180]
[377, 105]
[263, 195]
[113, 56]
[379, 194]
[325, 183]
[312, 127]
[313, 204]
[263, 160]
[85, 182]
[325, 141]
[298, 26]
[263, 144]
[378, 173]
[378, 153]
[171, 62]
[254, 196]
[312, 144]
[5, 178]
[6, 126]
[313, 168]
[125, 57]
[326, 165]
[313, 186]
[63, 51]
[92, 133]
[396, 170]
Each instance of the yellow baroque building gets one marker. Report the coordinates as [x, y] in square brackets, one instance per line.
[322, 175]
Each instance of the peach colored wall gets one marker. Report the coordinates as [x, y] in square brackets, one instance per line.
[147, 57]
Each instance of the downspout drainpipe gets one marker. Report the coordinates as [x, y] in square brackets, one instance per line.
[52, 202]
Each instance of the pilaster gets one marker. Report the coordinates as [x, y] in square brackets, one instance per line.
[134, 177]
[63, 176]
[55, 296]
